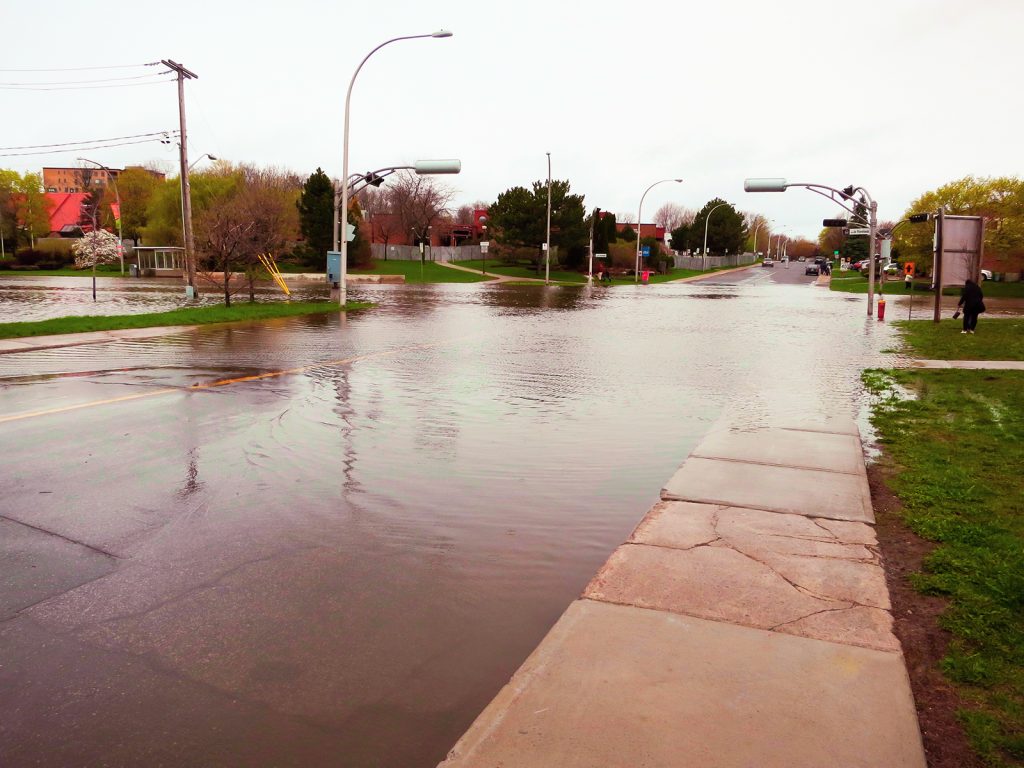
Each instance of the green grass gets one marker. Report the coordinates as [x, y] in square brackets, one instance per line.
[421, 272]
[495, 267]
[957, 451]
[185, 316]
[852, 282]
[994, 339]
[104, 270]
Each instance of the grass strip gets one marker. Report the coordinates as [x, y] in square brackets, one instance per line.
[565, 276]
[957, 450]
[852, 282]
[184, 316]
[994, 339]
[421, 272]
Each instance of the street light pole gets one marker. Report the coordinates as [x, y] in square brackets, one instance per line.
[707, 220]
[639, 224]
[547, 246]
[344, 157]
[120, 237]
[845, 198]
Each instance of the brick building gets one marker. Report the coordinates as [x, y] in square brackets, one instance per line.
[73, 180]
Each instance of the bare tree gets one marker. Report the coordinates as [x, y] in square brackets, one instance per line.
[672, 216]
[418, 202]
[463, 215]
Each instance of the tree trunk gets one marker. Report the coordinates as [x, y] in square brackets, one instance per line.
[252, 289]
[227, 282]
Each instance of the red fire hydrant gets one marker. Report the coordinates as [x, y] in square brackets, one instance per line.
[881, 309]
[645, 276]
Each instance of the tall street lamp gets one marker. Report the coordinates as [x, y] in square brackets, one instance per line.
[639, 224]
[344, 161]
[547, 240]
[117, 219]
[759, 223]
[200, 159]
[852, 199]
[707, 220]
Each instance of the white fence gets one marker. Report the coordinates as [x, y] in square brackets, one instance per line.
[712, 262]
[430, 253]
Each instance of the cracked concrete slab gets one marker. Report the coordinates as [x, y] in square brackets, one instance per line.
[808, 492]
[842, 568]
[602, 690]
[787, 448]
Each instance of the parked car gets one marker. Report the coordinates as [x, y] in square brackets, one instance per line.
[892, 268]
[986, 274]
[802, 258]
[767, 263]
[812, 269]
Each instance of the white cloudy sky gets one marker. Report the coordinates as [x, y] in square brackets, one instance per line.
[897, 96]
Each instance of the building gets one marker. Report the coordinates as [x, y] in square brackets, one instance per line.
[387, 228]
[75, 180]
[65, 212]
[646, 230]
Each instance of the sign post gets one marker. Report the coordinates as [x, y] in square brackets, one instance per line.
[484, 244]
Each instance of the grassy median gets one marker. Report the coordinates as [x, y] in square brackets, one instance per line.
[852, 282]
[995, 339]
[185, 316]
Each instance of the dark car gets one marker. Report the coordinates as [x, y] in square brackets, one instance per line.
[812, 269]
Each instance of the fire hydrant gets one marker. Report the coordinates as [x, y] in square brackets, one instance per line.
[881, 309]
[645, 276]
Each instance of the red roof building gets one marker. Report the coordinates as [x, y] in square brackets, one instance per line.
[65, 212]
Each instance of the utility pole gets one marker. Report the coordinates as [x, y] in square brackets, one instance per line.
[186, 190]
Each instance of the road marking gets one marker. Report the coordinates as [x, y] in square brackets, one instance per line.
[224, 382]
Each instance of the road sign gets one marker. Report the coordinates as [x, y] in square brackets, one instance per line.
[484, 245]
[646, 251]
[350, 232]
[859, 231]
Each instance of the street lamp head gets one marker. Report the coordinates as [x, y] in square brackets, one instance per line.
[423, 167]
[764, 185]
[213, 157]
[678, 181]
[441, 33]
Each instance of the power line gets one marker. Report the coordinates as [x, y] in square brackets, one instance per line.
[81, 149]
[102, 80]
[91, 141]
[83, 69]
[83, 87]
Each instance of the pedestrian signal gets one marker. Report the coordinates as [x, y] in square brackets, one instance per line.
[908, 269]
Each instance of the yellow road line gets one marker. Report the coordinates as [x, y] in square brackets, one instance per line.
[221, 382]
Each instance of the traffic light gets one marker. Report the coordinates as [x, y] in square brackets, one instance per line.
[833, 222]
[848, 191]
[918, 218]
[373, 179]
[835, 252]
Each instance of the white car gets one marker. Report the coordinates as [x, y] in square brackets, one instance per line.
[986, 274]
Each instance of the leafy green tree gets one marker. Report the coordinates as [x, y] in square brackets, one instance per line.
[681, 237]
[628, 234]
[32, 208]
[999, 201]
[163, 214]
[8, 188]
[136, 187]
[519, 215]
[726, 232]
[316, 213]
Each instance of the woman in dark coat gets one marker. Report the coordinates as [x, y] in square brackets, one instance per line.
[972, 304]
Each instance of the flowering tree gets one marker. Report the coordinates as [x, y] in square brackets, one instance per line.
[98, 247]
[95, 248]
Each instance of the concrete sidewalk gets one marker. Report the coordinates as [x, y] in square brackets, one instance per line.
[33, 343]
[745, 622]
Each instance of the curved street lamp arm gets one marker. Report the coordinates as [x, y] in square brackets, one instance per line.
[639, 213]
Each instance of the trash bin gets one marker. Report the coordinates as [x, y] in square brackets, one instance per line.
[645, 276]
[881, 309]
[133, 270]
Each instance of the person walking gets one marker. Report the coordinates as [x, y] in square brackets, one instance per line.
[972, 303]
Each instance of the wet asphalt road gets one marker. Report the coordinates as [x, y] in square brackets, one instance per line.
[341, 564]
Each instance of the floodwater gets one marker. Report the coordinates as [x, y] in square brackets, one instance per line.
[26, 298]
[341, 565]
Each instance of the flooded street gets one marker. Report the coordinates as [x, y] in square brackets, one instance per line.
[343, 563]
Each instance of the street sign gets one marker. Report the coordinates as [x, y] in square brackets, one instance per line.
[600, 255]
[484, 245]
[350, 232]
[859, 231]
[645, 251]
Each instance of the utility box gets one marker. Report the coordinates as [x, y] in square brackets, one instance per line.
[334, 269]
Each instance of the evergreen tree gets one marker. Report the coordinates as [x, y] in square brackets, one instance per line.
[316, 213]
[726, 232]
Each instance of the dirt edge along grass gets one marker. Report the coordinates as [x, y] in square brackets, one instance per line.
[956, 439]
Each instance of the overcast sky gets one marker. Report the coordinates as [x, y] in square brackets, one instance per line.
[898, 97]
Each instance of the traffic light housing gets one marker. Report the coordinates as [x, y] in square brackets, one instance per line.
[834, 222]
[918, 218]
